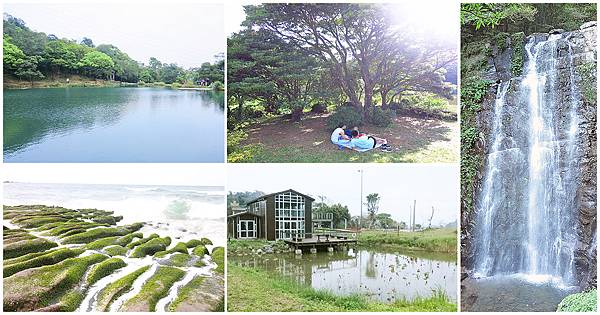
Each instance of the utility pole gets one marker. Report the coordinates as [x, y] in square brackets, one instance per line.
[361, 200]
[409, 218]
[414, 209]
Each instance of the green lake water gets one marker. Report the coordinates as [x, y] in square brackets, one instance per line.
[381, 275]
[113, 125]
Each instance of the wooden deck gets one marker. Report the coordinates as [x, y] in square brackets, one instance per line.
[320, 240]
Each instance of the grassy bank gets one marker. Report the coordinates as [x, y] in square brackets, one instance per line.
[255, 290]
[79, 81]
[435, 240]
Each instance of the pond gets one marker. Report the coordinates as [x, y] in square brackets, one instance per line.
[513, 293]
[381, 275]
[113, 125]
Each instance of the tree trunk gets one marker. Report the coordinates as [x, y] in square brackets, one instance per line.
[297, 114]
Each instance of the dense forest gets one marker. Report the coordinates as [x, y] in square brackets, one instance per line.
[349, 59]
[31, 55]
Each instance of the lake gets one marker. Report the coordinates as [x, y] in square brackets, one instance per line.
[113, 125]
[381, 275]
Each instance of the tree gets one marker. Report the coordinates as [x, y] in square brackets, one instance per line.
[28, 69]
[372, 207]
[337, 34]
[97, 64]
[340, 213]
[87, 42]
[58, 57]
[126, 69]
[245, 76]
[385, 221]
[12, 56]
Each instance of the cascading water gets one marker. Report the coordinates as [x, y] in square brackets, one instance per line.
[526, 210]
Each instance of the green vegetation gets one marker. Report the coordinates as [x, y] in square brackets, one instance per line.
[20, 248]
[180, 260]
[433, 240]
[218, 257]
[114, 290]
[39, 287]
[141, 241]
[580, 302]
[95, 234]
[115, 250]
[200, 250]
[178, 248]
[113, 240]
[47, 258]
[153, 290]
[588, 81]
[281, 71]
[152, 246]
[104, 269]
[518, 45]
[185, 292]
[32, 56]
[254, 290]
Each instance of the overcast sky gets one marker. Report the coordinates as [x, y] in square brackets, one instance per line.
[184, 33]
[398, 185]
[113, 173]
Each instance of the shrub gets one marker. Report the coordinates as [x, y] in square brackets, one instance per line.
[380, 117]
[217, 85]
[579, 302]
[347, 115]
[319, 108]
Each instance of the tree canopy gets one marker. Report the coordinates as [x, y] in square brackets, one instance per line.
[34, 55]
[292, 57]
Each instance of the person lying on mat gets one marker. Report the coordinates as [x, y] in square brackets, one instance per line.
[363, 141]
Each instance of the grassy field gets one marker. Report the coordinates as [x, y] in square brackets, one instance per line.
[415, 137]
[259, 291]
[436, 240]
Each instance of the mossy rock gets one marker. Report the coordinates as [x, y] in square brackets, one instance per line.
[36, 288]
[180, 260]
[113, 240]
[23, 247]
[151, 247]
[206, 241]
[193, 243]
[114, 290]
[115, 250]
[156, 288]
[200, 250]
[106, 219]
[98, 233]
[49, 258]
[178, 248]
[218, 257]
[202, 294]
[579, 302]
[142, 240]
[104, 269]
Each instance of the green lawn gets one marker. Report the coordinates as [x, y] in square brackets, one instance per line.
[252, 290]
[414, 137]
[436, 240]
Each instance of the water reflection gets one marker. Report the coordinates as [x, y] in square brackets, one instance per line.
[113, 125]
[381, 275]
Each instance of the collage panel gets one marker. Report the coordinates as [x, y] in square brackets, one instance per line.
[342, 238]
[113, 238]
[92, 82]
[342, 82]
[529, 157]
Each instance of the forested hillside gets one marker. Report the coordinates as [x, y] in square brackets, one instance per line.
[30, 55]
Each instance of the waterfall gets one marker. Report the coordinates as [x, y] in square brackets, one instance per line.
[526, 210]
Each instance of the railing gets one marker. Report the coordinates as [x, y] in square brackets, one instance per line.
[322, 216]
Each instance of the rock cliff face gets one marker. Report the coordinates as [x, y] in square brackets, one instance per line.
[552, 145]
